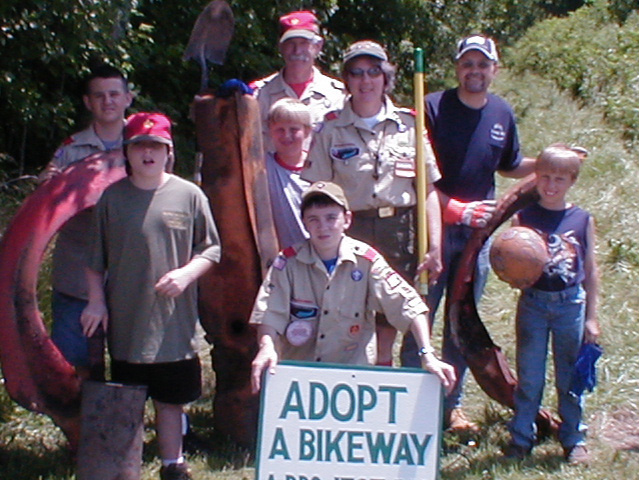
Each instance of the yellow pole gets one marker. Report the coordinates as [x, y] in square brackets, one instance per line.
[420, 128]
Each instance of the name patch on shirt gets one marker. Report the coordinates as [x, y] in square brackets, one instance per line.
[176, 220]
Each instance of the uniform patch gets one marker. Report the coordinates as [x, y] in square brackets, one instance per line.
[401, 128]
[371, 254]
[299, 332]
[345, 152]
[393, 280]
[279, 262]
[357, 275]
[176, 220]
[497, 132]
[355, 329]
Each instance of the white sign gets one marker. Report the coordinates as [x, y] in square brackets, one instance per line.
[322, 421]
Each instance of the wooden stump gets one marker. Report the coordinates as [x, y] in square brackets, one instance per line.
[111, 434]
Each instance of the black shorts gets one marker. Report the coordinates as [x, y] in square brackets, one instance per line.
[172, 382]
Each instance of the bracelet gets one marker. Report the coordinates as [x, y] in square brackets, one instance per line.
[422, 352]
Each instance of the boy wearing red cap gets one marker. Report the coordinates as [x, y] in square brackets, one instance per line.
[300, 45]
[155, 236]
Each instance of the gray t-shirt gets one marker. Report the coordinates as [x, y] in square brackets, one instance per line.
[140, 236]
[285, 189]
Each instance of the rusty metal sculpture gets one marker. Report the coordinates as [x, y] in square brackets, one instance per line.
[234, 179]
[36, 374]
[485, 359]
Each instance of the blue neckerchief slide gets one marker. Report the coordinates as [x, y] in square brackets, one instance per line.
[584, 375]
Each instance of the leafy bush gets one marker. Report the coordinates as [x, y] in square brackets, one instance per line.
[592, 56]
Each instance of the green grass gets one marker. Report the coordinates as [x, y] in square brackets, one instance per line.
[32, 448]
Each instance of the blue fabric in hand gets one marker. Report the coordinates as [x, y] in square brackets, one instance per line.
[584, 376]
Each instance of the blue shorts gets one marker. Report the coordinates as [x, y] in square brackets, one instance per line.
[172, 382]
[66, 331]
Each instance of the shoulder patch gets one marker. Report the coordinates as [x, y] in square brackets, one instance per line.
[334, 115]
[68, 141]
[371, 254]
[289, 252]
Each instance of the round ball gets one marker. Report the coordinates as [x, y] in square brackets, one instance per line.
[518, 256]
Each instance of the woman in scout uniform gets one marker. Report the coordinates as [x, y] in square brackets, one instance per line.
[368, 148]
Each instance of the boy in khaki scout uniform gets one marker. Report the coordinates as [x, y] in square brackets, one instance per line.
[318, 300]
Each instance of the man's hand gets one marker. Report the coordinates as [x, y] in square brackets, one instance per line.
[94, 315]
[266, 358]
[444, 371]
[473, 214]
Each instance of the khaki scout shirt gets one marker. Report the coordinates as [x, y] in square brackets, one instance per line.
[77, 147]
[322, 95]
[70, 255]
[375, 167]
[337, 319]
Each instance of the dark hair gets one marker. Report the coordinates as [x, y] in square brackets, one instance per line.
[104, 71]
[388, 69]
[318, 201]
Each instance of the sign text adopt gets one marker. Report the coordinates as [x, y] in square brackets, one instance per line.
[333, 422]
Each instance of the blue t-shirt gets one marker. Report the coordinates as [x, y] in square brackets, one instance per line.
[566, 235]
[471, 144]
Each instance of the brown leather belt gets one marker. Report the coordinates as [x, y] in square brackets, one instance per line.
[382, 212]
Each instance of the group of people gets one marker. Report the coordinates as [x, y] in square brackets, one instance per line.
[340, 156]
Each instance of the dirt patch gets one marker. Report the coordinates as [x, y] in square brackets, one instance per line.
[619, 428]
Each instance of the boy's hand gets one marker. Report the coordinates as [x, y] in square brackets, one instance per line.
[444, 371]
[94, 315]
[173, 283]
[266, 358]
[591, 331]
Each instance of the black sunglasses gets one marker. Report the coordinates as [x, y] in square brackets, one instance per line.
[372, 72]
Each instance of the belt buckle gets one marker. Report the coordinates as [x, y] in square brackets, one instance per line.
[385, 212]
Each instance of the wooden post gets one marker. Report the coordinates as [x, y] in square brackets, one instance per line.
[111, 434]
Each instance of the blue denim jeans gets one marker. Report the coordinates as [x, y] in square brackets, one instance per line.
[66, 331]
[455, 239]
[540, 314]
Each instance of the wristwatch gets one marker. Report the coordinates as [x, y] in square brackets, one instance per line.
[422, 352]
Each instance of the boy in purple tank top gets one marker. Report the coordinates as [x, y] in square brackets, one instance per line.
[563, 302]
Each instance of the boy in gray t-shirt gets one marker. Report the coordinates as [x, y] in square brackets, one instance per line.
[155, 236]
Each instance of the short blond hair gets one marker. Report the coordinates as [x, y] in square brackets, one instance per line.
[559, 158]
[289, 110]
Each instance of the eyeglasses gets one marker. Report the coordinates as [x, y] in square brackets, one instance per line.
[372, 72]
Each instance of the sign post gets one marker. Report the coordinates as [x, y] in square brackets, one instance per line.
[334, 422]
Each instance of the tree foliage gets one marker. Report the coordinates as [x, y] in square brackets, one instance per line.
[49, 45]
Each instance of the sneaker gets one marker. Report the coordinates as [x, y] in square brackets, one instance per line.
[457, 421]
[577, 455]
[175, 471]
[516, 452]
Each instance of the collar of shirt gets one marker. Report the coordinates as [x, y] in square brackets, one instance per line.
[348, 117]
[306, 253]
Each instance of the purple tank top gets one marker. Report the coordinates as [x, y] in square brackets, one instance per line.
[565, 233]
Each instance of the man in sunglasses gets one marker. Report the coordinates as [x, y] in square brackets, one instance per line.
[474, 135]
[368, 148]
[300, 45]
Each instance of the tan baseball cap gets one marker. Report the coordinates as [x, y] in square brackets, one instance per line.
[327, 189]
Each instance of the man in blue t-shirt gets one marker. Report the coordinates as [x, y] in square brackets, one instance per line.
[474, 135]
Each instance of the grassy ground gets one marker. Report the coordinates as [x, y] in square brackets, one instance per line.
[32, 448]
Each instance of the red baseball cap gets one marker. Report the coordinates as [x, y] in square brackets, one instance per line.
[302, 24]
[148, 126]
